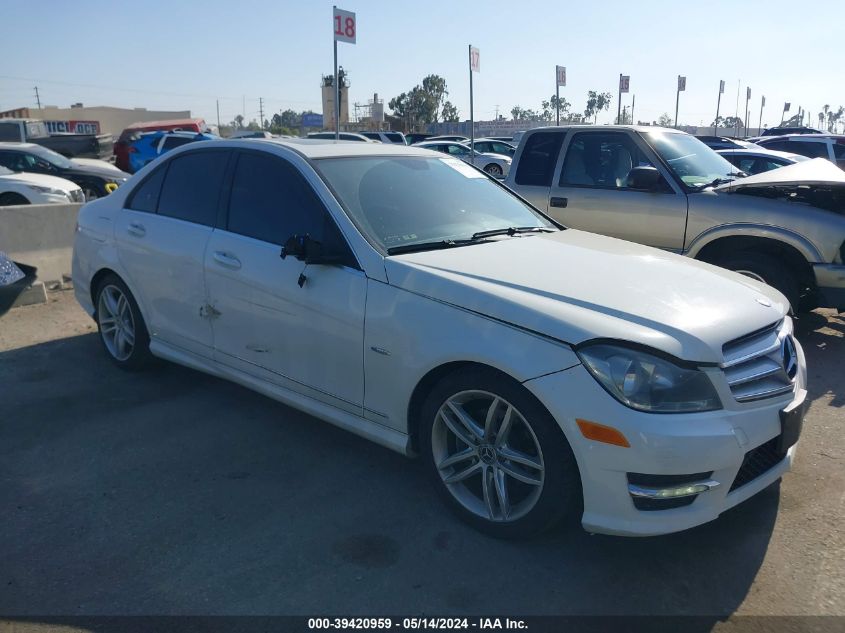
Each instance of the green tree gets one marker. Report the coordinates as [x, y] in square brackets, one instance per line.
[597, 102]
[424, 103]
[239, 121]
[733, 122]
[516, 113]
[664, 120]
[450, 113]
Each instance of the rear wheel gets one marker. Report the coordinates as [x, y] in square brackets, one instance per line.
[493, 169]
[123, 332]
[766, 269]
[10, 199]
[497, 457]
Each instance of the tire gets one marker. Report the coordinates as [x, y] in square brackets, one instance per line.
[545, 492]
[493, 169]
[767, 269]
[123, 332]
[11, 199]
[91, 193]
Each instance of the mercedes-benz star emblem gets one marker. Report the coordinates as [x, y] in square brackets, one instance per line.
[789, 356]
[487, 454]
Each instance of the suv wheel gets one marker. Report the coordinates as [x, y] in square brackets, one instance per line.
[496, 455]
[766, 269]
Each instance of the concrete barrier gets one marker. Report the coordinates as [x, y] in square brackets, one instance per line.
[40, 235]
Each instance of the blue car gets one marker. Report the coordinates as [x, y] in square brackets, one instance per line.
[147, 146]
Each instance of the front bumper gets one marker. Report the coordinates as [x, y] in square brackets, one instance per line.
[663, 444]
[830, 281]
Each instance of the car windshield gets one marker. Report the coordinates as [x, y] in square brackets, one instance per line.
[401, 201]
[51, 157]
[693, 162]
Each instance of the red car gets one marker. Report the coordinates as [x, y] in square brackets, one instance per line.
[122, 147]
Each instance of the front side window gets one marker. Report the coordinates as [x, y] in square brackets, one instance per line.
[402, 201]
[192, 185]
[457, 150]
[537, 163]
[602, 160]
[692, 162]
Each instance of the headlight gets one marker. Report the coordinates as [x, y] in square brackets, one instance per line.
[648, 382]
[55, 192]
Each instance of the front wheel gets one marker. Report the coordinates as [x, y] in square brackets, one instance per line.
[493, 169]
[496, 455]
[768, 270]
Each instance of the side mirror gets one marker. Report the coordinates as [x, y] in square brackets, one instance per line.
[643, 178]
[308, 250]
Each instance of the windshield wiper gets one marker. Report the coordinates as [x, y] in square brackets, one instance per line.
[428, 246]
[513, 230]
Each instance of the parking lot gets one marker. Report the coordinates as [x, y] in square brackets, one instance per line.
[170, 492]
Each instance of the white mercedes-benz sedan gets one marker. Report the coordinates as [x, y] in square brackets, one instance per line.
[404, 295]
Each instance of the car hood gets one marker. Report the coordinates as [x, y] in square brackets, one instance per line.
[817, 171]
[41, 180]
[96, 168]
[575, 286]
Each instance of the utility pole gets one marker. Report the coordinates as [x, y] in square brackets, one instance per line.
[37, 97]
[633, 103]
[218, 116]
[261, 112]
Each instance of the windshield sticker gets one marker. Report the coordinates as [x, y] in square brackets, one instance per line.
[463, 168]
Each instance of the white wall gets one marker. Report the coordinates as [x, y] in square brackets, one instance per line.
[41, 236]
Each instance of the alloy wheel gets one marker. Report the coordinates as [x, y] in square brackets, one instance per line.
[488, 456]
[117, 326]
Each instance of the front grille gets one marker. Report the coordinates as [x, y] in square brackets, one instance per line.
[758, 461]
[762, 364]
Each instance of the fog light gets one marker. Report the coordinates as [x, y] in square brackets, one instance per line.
[687, 490]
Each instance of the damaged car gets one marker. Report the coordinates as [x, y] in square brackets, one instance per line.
[665, 188]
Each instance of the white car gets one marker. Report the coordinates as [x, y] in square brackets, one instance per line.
[758, 160]
[26, 188]
[540, 372]
[493, 164]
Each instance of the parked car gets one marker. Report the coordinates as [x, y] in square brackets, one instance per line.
[447, 137]
[829, 146]
[252, 134]
[415, 137]
[68, 145]
[385, 137]
[134, 131]
[21, 188]
[780, 131]
[756, 161]
[667, 189]
[494, 164]
[343, 136]
[541, 373]
[492, 146]
[15, 277]
[726, 142]
[150, 145]
[96, 178]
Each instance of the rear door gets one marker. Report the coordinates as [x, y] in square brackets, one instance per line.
[162, 236]
[591, 192]
[299, 326]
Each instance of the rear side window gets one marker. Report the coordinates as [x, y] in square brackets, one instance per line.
[811, 149]
[393, 137]
[145, 197]
[537, 163]
[192, 186]
[271, 201]
[175, 141]
[10, 132]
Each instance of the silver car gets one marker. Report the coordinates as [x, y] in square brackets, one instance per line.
[665, 188]
[756, 161]
[494, 164]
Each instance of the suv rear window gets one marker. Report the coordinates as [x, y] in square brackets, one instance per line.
[393, 137]
[537, 163]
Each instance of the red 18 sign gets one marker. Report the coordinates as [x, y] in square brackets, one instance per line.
[344, 26]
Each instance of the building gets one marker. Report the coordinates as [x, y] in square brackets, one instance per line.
[327, 86]
[92, 120]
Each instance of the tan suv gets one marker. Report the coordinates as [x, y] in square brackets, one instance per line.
[665, 188]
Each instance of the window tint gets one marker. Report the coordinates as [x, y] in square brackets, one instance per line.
[10, 132]
[145, 196]
[601, 160]
[457, 150]
[175, 141]
[191, 187]
[271, 201]
[839, 150]
[393, 137]
[537, 163]
[372, 135]
[811, 149]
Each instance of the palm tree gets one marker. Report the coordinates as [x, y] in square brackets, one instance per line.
[826, 108]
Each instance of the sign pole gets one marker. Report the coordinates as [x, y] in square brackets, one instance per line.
[471, 116]
[760, 124]
[747, 98]
[718, 103]
[336, 97]
[557, 96]
[619, 100]
[677, 100]
[633, 103]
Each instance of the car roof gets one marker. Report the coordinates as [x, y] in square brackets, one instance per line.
[166, 122]
[24, 146]
[604, 128]
[329, 148]
[761, 152]
[802, 137]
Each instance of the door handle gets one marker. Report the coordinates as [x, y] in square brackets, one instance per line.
[227, 260]
[136, 228]
[558, 202]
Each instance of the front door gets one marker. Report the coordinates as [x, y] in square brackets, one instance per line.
[591, 193]
[162, 236]
[300, 326]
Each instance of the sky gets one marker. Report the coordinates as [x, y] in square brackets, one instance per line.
[187, 55]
